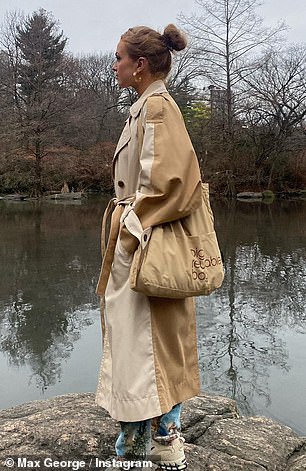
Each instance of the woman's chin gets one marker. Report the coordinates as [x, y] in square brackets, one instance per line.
[123, 83]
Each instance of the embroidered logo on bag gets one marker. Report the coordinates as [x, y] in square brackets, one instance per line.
[201, 262]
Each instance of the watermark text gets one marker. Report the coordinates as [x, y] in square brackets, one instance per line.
[48, 463]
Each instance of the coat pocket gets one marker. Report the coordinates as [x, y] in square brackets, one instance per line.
[122, 257]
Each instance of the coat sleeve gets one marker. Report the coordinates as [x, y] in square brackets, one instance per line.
[169, 180]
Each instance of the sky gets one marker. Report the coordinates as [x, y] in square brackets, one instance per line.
[93, 26]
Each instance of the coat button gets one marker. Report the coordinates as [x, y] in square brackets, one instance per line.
[121, 183]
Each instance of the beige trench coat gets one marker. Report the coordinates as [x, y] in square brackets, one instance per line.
[150, 358]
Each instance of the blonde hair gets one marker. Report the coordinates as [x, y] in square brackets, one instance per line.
[157, 48]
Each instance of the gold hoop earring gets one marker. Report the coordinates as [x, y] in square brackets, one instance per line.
[137, 79]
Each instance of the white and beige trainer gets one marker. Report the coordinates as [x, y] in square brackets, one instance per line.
[169, 457]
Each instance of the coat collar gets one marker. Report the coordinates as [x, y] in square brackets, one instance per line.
[156, 87]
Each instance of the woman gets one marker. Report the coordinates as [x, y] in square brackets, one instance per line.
[150, 360]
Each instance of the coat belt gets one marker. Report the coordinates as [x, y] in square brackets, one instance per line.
[114, 209]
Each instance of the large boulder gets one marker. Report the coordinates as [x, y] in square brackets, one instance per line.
[72, 427]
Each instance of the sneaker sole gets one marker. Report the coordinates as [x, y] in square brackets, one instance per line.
[173, 467]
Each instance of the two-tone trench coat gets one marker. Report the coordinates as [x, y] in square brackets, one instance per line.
[150, 360]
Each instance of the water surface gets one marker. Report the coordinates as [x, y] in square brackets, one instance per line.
[251, 333]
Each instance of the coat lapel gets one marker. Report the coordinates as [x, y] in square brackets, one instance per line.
[123, 141]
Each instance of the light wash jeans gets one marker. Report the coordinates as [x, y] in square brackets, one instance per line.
[134, 440]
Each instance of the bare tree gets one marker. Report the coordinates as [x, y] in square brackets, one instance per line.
[277, 90]
[98, 94]
[182, 82]
[276, 105]
[228, 34]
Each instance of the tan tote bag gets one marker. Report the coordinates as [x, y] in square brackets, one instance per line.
[177, 259]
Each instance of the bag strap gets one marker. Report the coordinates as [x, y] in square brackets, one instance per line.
[129, 217]
[139, 135]
[154, 114]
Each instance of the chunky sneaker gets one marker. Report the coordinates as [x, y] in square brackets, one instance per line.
[169, 457]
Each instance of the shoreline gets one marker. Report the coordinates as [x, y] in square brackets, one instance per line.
[217, 437]
[266, 196]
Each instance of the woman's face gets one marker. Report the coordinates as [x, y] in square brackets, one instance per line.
[124, 66]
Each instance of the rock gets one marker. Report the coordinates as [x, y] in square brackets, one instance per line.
[217, 438]
[15, 197]
[249, 195]
[66, 196]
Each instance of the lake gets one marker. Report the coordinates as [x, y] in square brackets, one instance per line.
[251, 332]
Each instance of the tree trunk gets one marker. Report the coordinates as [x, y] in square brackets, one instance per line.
[229, 104]
[38, 159]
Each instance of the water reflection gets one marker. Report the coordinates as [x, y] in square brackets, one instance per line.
[248, 331]
[49, 264]
[242, 327]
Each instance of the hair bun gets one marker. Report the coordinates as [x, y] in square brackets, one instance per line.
[174, 39]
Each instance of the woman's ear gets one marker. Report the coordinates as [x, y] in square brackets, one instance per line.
[142, 64]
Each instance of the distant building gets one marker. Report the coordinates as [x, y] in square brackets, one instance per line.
[218, 101]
